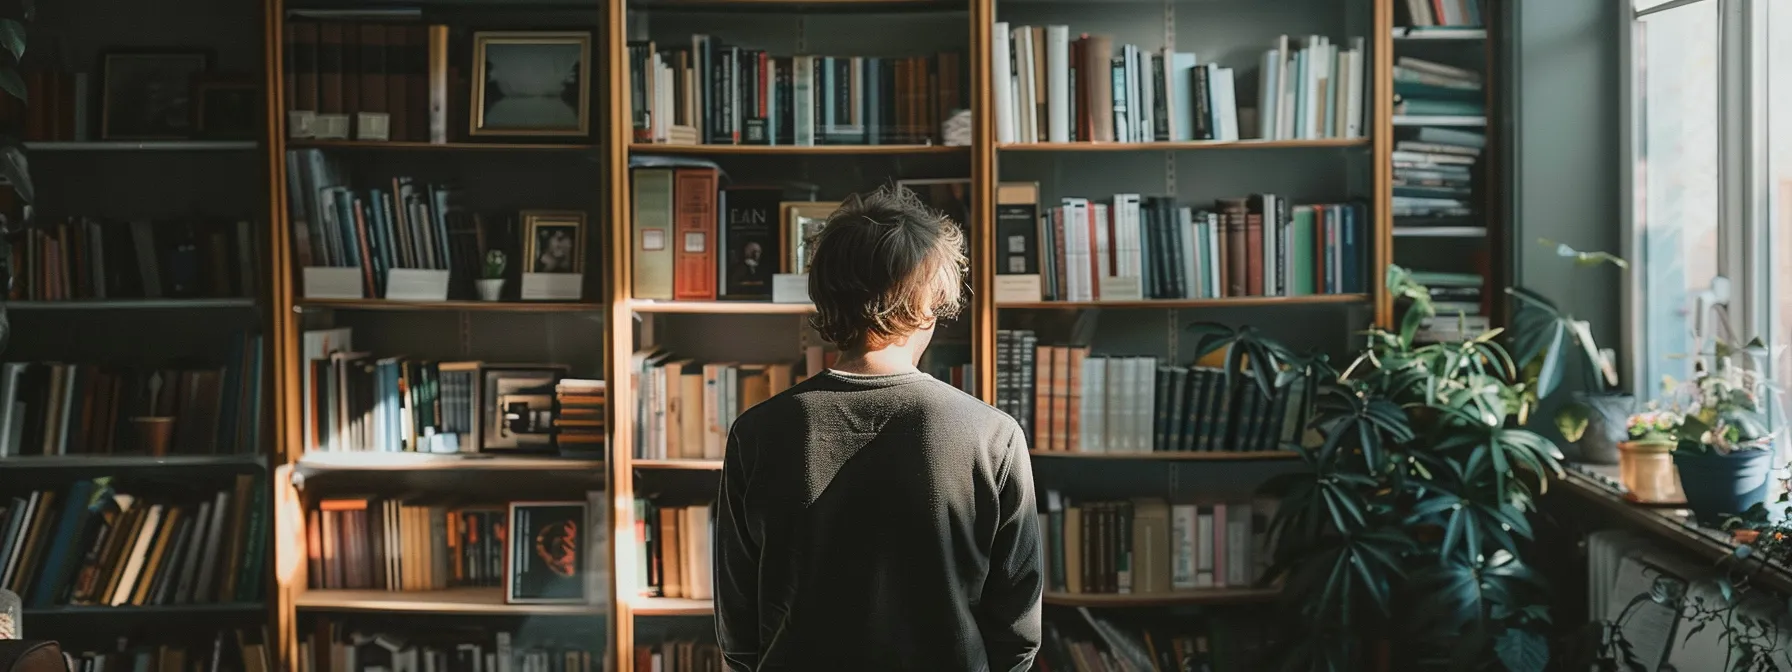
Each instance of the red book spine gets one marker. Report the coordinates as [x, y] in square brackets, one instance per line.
[1253, 248]
[694, 222]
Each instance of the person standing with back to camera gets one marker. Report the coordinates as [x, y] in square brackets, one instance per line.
[873, 517]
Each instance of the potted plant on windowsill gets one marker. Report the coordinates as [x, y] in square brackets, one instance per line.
[1646, 461]
[1544, 338]
[1725, 452]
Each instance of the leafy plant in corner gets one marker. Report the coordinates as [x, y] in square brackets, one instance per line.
[13, 166]
[1545, 339]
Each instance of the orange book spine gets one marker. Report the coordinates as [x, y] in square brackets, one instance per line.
[1044, 368]
[694, 221]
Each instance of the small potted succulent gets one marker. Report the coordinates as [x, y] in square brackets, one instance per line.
[1725, 442]
[1646, 461]
[491, 277]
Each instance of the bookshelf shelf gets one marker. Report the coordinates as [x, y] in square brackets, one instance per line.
[806, 6]
[802, 150]
[467, 306]
[1173, 598]
[1439, 34]
[450, 601]
[134, 304]
[441, 146]
[1418, 120]
[100, 462]
[1175, 146]
[145, 146]
[678, 465]
[1217, 456]
[671, 606]
[1229, 302]
[1440, 232]
[722, 307]
[158, 611]
[317, 464]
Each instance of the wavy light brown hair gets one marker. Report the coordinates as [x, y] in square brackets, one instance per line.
[883, 266]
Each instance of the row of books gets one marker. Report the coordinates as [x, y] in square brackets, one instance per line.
[679, 655]
[1433, 174]
[1074, 402]
[1106, 641]
[87, 258]
[1148, 545]
[716, 93]
[1441, 13]
[579, 415]
[383, 544]
[1429, 88]
[672, 550]
[1052, 88]
[90, 409]
[90, 544]
[337, 647]
[1460, 302]
[243, 650]
[685, 408]
[396, 69]
[732, 240]
[59, 108]
[1134, 246]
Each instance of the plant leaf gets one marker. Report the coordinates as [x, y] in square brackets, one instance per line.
[11, 83]
[12, 36]
[1522, 650]
[17, 171]
[1572, 419]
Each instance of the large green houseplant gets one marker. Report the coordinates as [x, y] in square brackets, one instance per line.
[14, 14]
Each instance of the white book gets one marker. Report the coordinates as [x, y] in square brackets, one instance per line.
[1190, 253]
[1147, 95]
[1268, 96]
[1284, 97]
[1227, 108]
[1182, 546]
[1094, 434]
[1024, 67]
[1116, 422]
[1126, 226]
[1353, 105]
[1182, 95]
[1057, 83]
[1204, 547]
[699, 577]
[1145, 411]
[1102, 249]
[802, 85]
[1002, 73]
[127, 581]
[1077, 217]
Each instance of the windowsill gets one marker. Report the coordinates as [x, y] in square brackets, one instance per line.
[1598, 485]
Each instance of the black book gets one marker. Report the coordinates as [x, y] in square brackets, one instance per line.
[751, 244]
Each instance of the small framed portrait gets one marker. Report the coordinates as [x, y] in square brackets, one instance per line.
[148, 95]
[546, 556]
[518, 413]
[225, 107]
[802, 222]
[553, 241]
[531, 83]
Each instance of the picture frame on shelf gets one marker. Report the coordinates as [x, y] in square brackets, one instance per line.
[554, 241]
[802, 222]
[148, 94]
[226, 107]
[517, 408]
[531, 83]
[546, 558]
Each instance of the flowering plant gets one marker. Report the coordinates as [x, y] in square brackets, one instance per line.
[1654, 426]
[1724, 404]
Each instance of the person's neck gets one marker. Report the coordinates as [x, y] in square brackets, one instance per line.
[879, 362]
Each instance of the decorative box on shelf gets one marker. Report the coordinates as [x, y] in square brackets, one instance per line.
[553, 286]
[416, 284]
[790, 288]
[333, 282]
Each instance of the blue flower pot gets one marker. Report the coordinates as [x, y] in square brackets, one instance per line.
[1721, 485]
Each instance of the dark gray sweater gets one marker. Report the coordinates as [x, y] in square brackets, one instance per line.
[877, 523]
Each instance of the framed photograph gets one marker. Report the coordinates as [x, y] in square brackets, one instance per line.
[226, 107]
[531, 83]
[547, 561]
[149, 95]
[802, 221]
[518, 413]
[553, 241]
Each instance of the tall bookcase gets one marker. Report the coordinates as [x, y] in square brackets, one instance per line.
[601, 333]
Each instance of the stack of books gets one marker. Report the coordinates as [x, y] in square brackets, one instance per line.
[1433, 176]
[361, 403]
[91, 409]
[94, 546]
[338, 648]
[1441, 13]
[1460, 302]
[684, 408]
[672, 550]
[1073, 401]
[382, 544]
[245, 650]
[87, 258]
[715, 93]
[579, 416]
[1053, 88]
[397, 69]
[1428, 89]
[679, 654]
[1144, 546]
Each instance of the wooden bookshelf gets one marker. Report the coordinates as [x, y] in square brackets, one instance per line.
[1180, 146]
[465, 601]
[1173, 304]
[721, 307]
[144, 146]
[795, 150]
[679, 465]
[375, 145]
[1211, 596]
[132, 305]
[1175, 456]
[671, 606]
[467, 306]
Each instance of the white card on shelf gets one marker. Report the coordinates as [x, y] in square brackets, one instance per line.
[416, 284]
[373, 126]
[329, 282]
[1018, 289]
[553, 286]
[1121, 288]
[790, 288]
[330, 127]
[301, 124]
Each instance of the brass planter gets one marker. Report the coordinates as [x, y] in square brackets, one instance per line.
[1646, 468]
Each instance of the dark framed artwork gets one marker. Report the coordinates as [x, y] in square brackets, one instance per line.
[518, 413]
[534, 83]
[148, 95]
[546, 562]
[553, 241]
[226, 107]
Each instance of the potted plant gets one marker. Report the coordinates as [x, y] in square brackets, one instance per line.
[1545, 339]
[1724, 446]
[491, 277]
[1646, 462]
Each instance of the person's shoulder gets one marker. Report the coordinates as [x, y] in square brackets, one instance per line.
[959, 402]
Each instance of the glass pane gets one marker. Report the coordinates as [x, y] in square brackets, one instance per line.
[1779, 185]
[1676, 178]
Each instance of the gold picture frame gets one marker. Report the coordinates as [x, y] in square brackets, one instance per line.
[543, 110]
[543, 233]
[796, 219]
